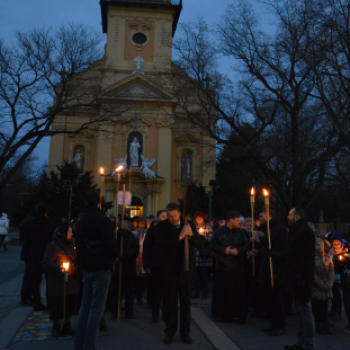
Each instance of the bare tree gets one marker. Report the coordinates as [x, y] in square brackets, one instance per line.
[275, 91]
[43, 75]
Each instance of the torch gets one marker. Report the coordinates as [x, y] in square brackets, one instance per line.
[267, 206]
[252, 203]
[120, 263]
[102, 172]
[66, 268]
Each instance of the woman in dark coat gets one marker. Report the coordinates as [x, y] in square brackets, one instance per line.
[61, 250]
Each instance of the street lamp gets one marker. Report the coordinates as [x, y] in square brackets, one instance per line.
[102, 175]
[209, 190]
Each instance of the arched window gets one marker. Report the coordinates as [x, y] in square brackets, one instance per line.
[186, 156]
[135, 149]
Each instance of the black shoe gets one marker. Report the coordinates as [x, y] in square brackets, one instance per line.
[130, 317]
[255, 314]
[26, 302]
[320, 329]
[328, 324]
[38, 306]
[56, 331]
[168, 339]
[103, 325]
[195, 296]
[293, 347]
[67, 329]
[276, 332]
[327, 330]
[267, 329]
[139, 302]
[241, 321]
[155, 319]
[186, 339]
[204, 297]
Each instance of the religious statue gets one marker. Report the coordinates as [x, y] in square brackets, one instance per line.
[134, 152]
[79, 160]
[145, 167]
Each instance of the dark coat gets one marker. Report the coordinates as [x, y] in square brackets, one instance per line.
[38, 234]
[25, 252]
[57, 252]
[279, 237]
[172, 252]
[224, 237]
[151, 251]
[96, 243]
[300, 261]
[131, 250]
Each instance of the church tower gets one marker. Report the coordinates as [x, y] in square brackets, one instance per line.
[135, 82]
[140, 28]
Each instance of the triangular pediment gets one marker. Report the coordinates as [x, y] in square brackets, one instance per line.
[137, 87]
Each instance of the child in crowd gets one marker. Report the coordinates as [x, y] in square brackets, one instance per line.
[322, 287]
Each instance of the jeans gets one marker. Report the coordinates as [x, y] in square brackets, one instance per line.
[346, 301]
[95, 289]
[306, 331]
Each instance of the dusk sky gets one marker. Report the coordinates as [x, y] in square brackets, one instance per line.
[24, 15]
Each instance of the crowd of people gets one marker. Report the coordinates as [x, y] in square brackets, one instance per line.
[268, 271]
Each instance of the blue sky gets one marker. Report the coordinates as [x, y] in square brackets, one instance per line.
[24, 15]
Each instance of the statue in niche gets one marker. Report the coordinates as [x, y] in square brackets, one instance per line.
[134, 152]
[79, 160]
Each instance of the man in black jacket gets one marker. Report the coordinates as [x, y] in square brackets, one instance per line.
[230, 244]
[97, 251]
[38, 233]
[278, 235]
[151, 265]
[131, 248]
[177, 283]
[299, 276]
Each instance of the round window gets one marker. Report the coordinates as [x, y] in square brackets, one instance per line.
[139, 38]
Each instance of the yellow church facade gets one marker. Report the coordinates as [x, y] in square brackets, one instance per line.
[145, 134]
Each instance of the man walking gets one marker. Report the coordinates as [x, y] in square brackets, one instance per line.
[299, 276]
[97, 250]
[177, 283]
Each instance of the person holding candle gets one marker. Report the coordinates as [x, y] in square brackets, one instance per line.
[59, 252]
[204, 257]
[299, 276]
[322, 287]
[278, 234]
[231, 245]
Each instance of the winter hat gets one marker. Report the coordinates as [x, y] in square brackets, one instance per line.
[201, 214]
[62, 230]
[336, 236]
[41, 208]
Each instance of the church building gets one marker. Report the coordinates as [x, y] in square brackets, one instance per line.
[144, 135]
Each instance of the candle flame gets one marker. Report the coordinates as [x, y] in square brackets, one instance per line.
[66, 266]
[102, 171]
[266, 193]
[340, 258]
[120, 168]
[252, 192]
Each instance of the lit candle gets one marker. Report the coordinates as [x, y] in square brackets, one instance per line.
[201, 231]
[252, 195]
[66, 268]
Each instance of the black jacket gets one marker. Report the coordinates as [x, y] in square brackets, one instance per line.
[131, 247]
[224, 237]
[279, 237]
[171, 252]
[57, 252]
[151, 251]
[38, 234]
[96, 243]
[300, 261]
